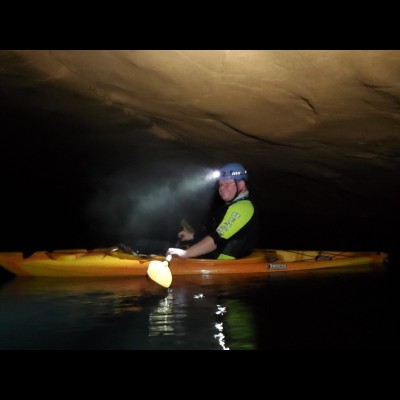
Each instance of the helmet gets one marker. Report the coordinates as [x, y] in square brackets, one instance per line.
[233, 171]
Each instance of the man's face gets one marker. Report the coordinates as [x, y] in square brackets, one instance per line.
[227, 189]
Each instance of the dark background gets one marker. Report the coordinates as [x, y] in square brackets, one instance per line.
[76, 174]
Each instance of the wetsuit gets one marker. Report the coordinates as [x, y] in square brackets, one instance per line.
[234, 228]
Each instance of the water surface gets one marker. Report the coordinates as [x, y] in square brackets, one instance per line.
[338, 308]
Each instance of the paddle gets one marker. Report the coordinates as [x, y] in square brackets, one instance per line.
[159, 271]
[187, 226]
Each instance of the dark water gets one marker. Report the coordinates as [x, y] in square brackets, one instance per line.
[354, 308]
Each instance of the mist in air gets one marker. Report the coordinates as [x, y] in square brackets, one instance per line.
[150, 203]
[82, 183]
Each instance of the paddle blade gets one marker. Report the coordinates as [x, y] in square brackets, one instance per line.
[160, 273]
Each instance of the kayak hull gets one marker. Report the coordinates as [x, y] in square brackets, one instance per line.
[103, 263]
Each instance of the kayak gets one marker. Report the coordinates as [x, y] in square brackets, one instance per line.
[111, 263]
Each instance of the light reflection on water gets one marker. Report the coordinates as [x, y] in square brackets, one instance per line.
[168, 319]
[280, 310]
[161, 320]
[47, 313]
[220, 327]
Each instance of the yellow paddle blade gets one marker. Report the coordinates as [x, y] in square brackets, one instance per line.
[160, 273]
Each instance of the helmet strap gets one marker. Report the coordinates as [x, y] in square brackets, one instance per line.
[237, 189]
[236, 194]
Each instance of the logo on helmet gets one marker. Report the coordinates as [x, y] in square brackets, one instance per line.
[233, 171]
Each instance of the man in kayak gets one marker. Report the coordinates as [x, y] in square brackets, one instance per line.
[233, 229]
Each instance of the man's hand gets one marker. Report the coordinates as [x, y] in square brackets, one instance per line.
[177, 252]
[185, 235]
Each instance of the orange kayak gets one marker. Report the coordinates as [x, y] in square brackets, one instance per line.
[106, 263]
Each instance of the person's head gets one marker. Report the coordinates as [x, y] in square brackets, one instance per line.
[232, 181]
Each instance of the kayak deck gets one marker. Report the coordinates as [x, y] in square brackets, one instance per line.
[104, 263]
